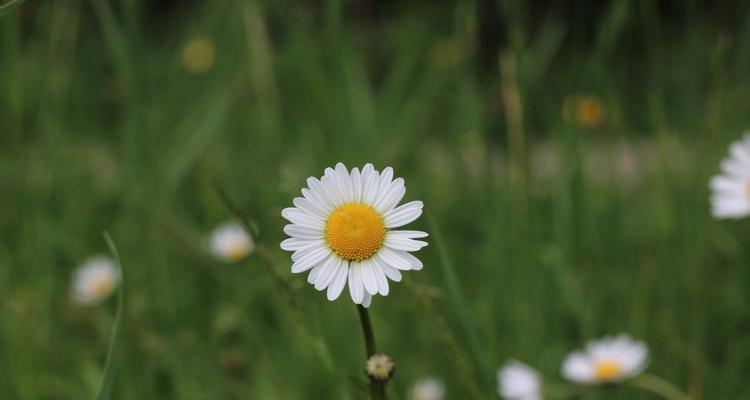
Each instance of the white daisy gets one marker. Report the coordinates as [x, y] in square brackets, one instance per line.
[731, 189]
[94, 280]
[607, 360]
[518, 381]
[342, 231]
[230, 242]
[428, 388]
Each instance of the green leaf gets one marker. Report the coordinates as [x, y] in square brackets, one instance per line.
[105, 387]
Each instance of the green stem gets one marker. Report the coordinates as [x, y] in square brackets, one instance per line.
[377, 389]
[660, 386]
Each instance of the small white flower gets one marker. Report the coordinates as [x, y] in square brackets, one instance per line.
[518, 381]
[343, 231]
[607, 360]
[731, 189]
[428, 388]
[230, 242]
[95, 279]
[379, 367]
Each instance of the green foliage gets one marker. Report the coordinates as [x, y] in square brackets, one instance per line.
[589, 231]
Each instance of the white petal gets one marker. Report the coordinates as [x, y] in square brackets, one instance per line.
[344, 181]
[729, 207]
[328, 273]
[313, 275]
[337, 286]
[302, 232]
[356, 185]
[725, 185]
[408, 234]
[416, 264]
[293, 244]
[369, 278]
[317, 194]
[384, 182]
[331, 187]
[383, 288]
[735, 168]
[302, 218]
[310, 259]
[370, 181]
[403, 214]
[356, 288]
[398, 243]
[577, 368]
[366, 300]
[394, 258]
[312, 206]
[389, 197]
[392, 273]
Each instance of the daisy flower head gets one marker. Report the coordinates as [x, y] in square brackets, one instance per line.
[95, 280]
[611, 359]
[343, 230]
[428, 388]
[518, 381]
[230, 242]
[731, 189]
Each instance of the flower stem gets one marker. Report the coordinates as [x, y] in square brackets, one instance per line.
[660, 386]
[377, 389]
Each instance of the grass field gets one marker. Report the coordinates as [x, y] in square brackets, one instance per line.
[545, 230]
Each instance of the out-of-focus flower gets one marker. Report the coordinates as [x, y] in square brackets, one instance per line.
[198, 55]
[428, 388]
[518, 381]
[380, 367]
[343, 230]
[607, 360]
[95, 280]
[731, 189]
[587, 112]
[230, 242]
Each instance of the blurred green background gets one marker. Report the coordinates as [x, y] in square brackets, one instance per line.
[562, 150]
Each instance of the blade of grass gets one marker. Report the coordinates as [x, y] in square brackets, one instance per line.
[7, 7]
[108, 377]
[116, 41]
[460, 304]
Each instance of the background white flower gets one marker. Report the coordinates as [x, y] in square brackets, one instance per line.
[607, 360]
[342, 231]
[731, 189]
[95, 280]
[230, 242]
[428, 388]
[518, 381]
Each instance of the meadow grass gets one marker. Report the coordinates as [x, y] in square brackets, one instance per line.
[567, 235]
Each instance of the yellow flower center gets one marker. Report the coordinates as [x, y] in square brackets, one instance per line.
[236, 252]
[590, 112]
[102, 287]
[607, 370]
[355, 231]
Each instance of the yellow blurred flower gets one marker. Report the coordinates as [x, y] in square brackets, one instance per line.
[198, 55]
[586, 111]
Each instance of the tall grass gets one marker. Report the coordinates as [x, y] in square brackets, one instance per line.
[101, 126]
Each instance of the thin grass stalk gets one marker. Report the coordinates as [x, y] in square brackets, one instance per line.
[108, 377]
